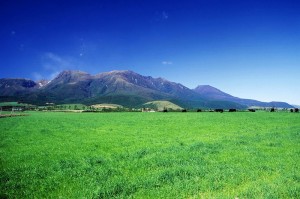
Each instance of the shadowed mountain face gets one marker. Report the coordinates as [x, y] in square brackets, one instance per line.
[130, 82]
[126, 88]
[11, 87]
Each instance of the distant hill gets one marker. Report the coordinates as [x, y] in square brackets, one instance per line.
[161, 105]
[125, 88]
[216, 94]
[212, 92]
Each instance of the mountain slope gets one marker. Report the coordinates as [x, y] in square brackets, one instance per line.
[129, 88]
[212, 93]
[15, 89]
[132, 82]
[11, 87]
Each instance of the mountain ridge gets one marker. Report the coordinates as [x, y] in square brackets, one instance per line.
[124, 87]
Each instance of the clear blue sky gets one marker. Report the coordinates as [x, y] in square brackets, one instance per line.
[248, 48]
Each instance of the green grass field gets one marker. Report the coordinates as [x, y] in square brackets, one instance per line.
[150, 155]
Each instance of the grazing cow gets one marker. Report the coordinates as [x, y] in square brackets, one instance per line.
[292, 110]
[165, 110]
[219, 110]
[199, 110]
[272, 109]
[251, 110]
[296, 110]
[183, 110]
[232, 110]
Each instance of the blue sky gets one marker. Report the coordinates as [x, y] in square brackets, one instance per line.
[248, 48]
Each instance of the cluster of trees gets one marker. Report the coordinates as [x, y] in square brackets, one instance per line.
[296, 110]
[84, 108]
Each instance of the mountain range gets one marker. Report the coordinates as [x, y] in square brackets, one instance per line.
[126, 88]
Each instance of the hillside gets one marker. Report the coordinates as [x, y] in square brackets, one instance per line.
[161, 105]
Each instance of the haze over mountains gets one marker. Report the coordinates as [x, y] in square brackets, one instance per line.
[126, 88]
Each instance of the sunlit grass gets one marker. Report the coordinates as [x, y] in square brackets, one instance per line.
[151, 155]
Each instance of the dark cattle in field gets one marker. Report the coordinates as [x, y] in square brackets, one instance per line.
[232, 110]
[272, 110]
[199, 110]
[251, 110]
[183, 110]
[219, 110]
[296, 110]
[292, 110]
[165, 110]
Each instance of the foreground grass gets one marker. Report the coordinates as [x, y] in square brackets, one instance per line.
[150, 155]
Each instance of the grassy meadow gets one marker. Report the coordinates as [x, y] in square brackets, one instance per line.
[150, 155]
